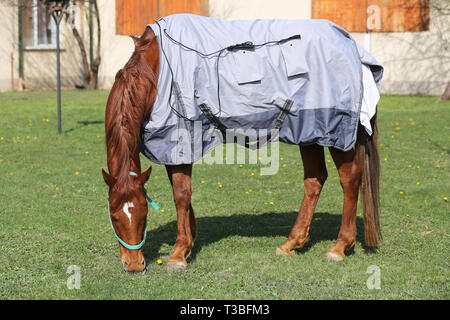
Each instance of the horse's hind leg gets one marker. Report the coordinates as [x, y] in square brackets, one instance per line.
[350, 177]
[315, 174]
[180, 178]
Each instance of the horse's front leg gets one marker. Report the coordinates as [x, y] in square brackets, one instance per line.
[180, 178]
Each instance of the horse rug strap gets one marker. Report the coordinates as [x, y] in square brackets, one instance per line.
[300, 78]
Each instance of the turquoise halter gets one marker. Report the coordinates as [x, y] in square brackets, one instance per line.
[136, 246]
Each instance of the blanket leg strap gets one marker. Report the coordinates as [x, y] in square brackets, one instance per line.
[278, 122]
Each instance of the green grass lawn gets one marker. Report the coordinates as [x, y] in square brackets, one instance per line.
[53, 214]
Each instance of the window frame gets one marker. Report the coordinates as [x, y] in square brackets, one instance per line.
[35, 31]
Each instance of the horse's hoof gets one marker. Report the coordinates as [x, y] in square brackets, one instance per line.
[176, 265]
[280, 252]
[334, 256]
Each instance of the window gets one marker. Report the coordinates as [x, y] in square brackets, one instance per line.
[374, 15]
[39, 28]
[133, 15]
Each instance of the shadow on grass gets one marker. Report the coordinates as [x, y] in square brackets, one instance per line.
[84, 124]
[272, 224]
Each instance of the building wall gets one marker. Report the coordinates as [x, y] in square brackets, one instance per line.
[415, 62]
[116, 49]
[8, 45]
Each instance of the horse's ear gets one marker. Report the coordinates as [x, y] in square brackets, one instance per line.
[109, 179]
[143, 177]
[135, 39]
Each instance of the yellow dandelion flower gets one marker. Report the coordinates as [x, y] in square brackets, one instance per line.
[445, 198]
[401, 192]
[328, 160]
[287, 182]
[246, 192]
[249, 190]
[438, 166]
[252, 174]
[271, 202]
[317, 219]
[281, 158]
[57, 188]
[260, 174]
[159, 261]
[397, 128]
[265, 203]
[418, 182]
[284, 165]
[77, 173]
[241, 165]
[407, 214]
[220, 186]
[410, 166]
[418, 167]
[87, 152]
[359, 214]
[203, 181]
[385, 159]
[392, 136]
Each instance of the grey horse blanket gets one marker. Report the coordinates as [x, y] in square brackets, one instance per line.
[296, 81]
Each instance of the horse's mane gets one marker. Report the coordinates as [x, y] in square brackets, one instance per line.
[125, 112]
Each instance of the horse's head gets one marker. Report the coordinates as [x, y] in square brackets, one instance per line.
[128, 213]
[129, 103]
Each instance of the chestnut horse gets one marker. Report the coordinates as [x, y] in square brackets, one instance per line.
[130, 102]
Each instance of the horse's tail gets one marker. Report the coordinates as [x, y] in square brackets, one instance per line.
[369, 161]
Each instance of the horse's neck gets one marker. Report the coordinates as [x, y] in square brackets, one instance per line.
[127, 152]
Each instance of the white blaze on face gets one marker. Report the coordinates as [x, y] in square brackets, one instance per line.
[125, 209]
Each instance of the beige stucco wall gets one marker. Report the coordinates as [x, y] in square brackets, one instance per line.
[116, 49]
[8, 45]
[415, 62]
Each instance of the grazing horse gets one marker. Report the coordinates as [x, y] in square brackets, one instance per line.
[130, 103]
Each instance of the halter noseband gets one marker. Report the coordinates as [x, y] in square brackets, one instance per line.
[136, 246]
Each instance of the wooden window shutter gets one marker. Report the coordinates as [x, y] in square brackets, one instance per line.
[386, 15]
[133, 15]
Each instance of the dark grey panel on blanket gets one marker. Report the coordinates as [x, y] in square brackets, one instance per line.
[326, 127]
